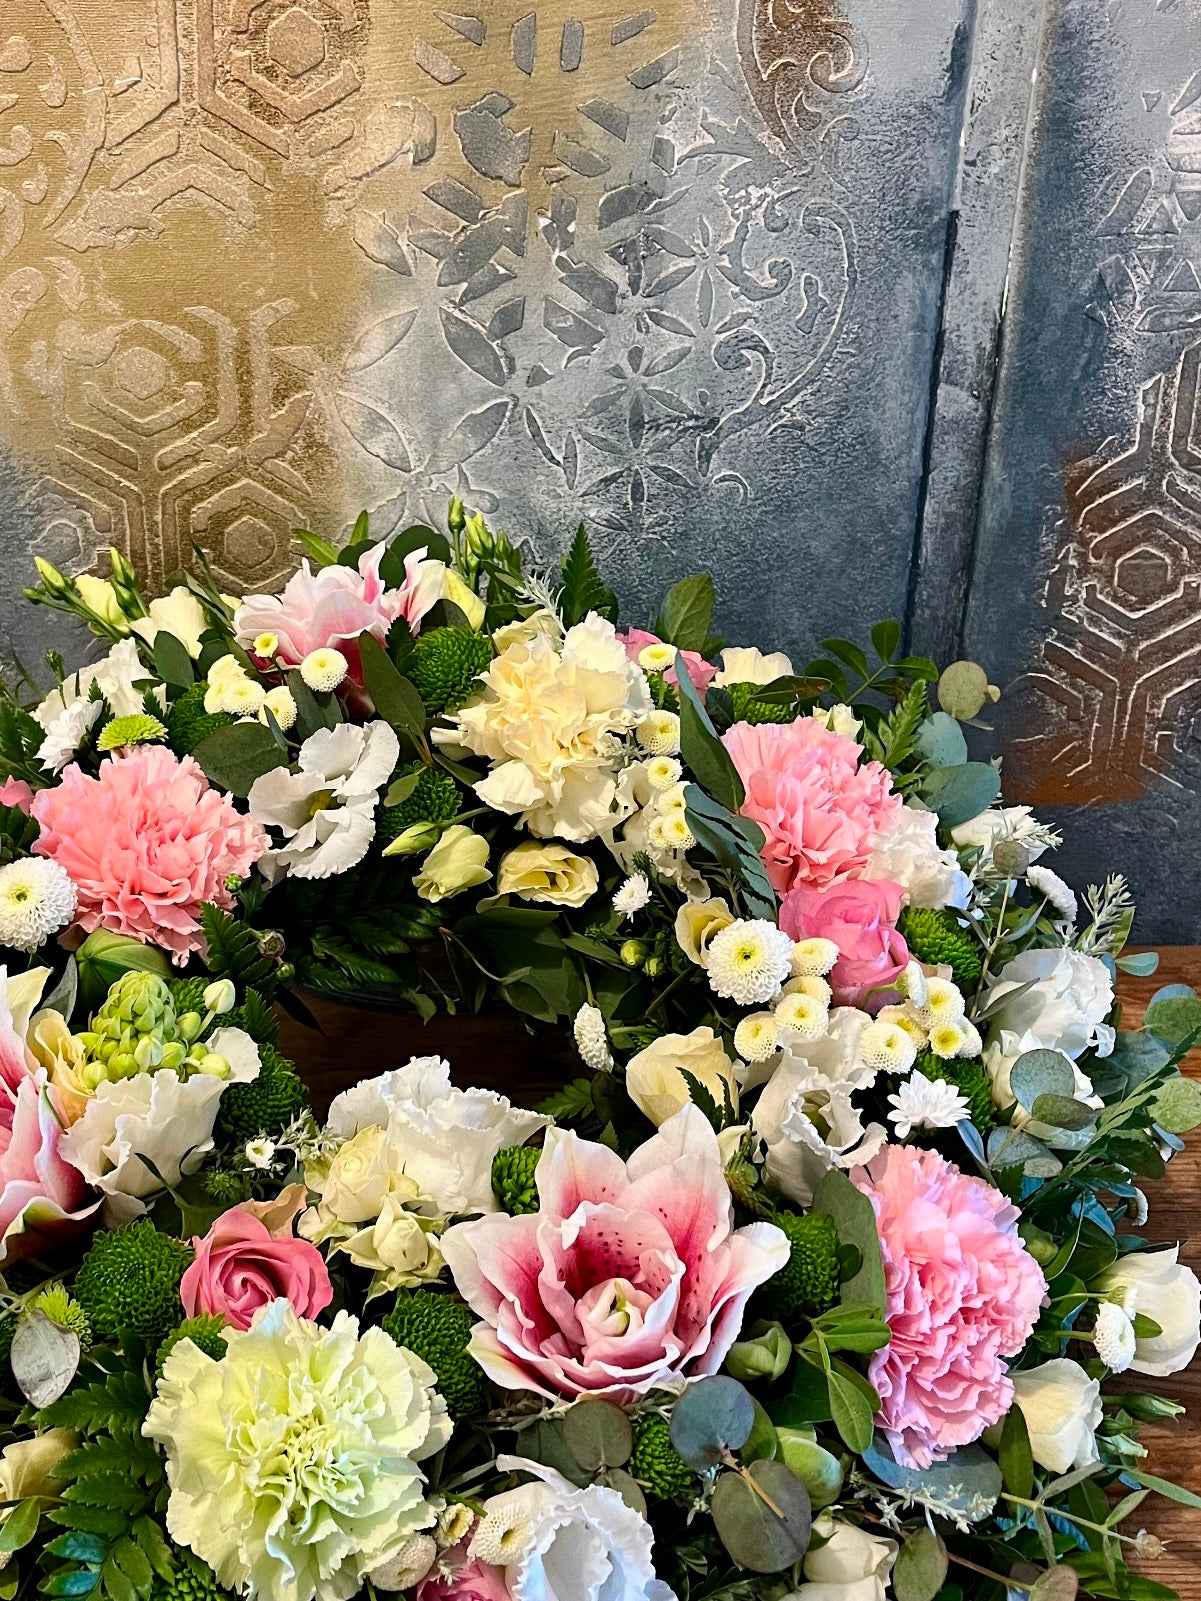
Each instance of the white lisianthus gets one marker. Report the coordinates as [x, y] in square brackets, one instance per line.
[553, 1539]
[744, 664]
[458, 862]
[449, 1136]
[655, 1077]
[293, 1460]
[749, 961]
[908, 853]
[326, 810]
[851, 1565]
[1062, 1409]
[178, 613]
[158, 1116]
[68, 713]
[554, 721]
[1162, 1288]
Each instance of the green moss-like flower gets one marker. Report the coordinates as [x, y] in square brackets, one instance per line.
[188, 722]
[204, 1331]
[513, 1183]
[749, 709]
[437, 1328]
[192, 1580]
[265, 1106]
[128, 1283]
[970, 1078]
[64, 1310]
[808, 1281]
[446, 664]
[434, 799]
[140, 729]
[937, 938]
[657, 1464]
[187, 994]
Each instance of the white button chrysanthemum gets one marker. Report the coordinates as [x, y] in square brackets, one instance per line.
[756, 1036]
[36, 899]
[323, 670]
[748, 961]
[920, 1102]
[265, 646]
[944, 1003]
[947, 1039]
[803, 1015]
[671, 832]
[659, 734]
[281, 705]
[1058, 895]
[656, 658]
[914, 985]
[809, 984]
[1113, 1335]
[505, 1533]
[591, 1040]
[887, 1048]
[812, 958]
[662, 772]
[904, 1018]
[632, 895]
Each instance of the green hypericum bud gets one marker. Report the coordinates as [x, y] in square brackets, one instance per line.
[513, 1181]
[808, 1282]
[140, 729]
[634, 952]
[938, 939]
[657, 1464]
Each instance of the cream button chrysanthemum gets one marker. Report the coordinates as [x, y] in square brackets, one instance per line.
[914, 985]
[748, 961]
[673, 799]
[756, 1036]
[280, 703]
[810, 984]
[659, 734]
[904, 1018]
[944, 1003]
[662, 772]
[887, 1048]
[37, 898]
[671, 832]
[920, 1102]
[656, 658]
[947, 1040]
[803, 1015]
[1113, 1335]
[323, 670]
[504, 1534]
[265, 646]
[812, 958]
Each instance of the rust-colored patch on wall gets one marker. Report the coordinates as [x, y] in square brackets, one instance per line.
[792, 49]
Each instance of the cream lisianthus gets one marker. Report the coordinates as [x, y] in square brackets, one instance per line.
[461, 595]
[293, 1460]
[27, 1467]
[1162, 1288]
[549, 873]
[655, 1077]
[554, 723]
[697, 923]
[457, 862]
[178, 613]
[99, 596]
[1062, 1409]
[744, 664]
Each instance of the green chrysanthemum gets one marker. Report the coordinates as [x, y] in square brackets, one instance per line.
[513, 1182]
[936, 938]
[749, 709]
[434, 799]
[808, 1281]
[140, 729]
[970, 1078]
[437, 1328]
[128, 1283]
[657, 1464]
[188, 722]
[192, 1580]
[225, 1186]
[64, 1310]
[187, 994]
[266, 1105]
[446, 664]
[204, 1331]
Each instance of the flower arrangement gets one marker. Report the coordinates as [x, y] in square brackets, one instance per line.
[806, 1287]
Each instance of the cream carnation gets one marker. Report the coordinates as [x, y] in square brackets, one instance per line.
[293, 1460]
[37, 898]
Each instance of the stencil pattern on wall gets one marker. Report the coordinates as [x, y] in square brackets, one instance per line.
[261, 259]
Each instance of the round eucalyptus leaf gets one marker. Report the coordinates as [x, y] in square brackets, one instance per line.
[764, 1525]
[762, 1441]
[712, 1418]
[1062, 1111]
[1038, 1073]
[963, 690]
[820, 1469]
[921, 1567]
[598, 1435]
[1056, 1584]
[627, 1488]
[1177, 1105]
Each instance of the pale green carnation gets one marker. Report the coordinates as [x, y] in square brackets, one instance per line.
[293, 1461]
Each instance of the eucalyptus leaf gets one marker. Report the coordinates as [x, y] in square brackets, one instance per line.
[921, 1567]
[734, 842]
[1173, 1013]
[958, 794]
[44, 1358]
[687, 612]
[234, 756]
[1177, 1105]
[820, 1469]
[396, 699]
[1062, 1111]
[940, 740]
[712, 1419]
[1056, 1584]
[1139, 964]
[598, 1434]
[764, 1524]
[1038, 1073]
[1015, 1455]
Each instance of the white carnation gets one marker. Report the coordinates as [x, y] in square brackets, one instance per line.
[908, 853]
[1058, 895]
[69, 712]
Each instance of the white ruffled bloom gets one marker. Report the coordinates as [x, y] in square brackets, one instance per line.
[1062, 1409]
[37, 898]
[178, 613]
[449, 1136]
[744, 664]
[1113, 1336]
[632, 895]
[327, 809]
[920, 1102]
[1159, 1285]
[158, 1116]
[68, 713]
[553, 1539]
[591, 1040]
[1016, 823]
[749, 961]
[1059, 895]
[908, 854]
[554, 723]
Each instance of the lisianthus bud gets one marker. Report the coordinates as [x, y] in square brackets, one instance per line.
[103, 957]
[221, 996]
[764, 1355]
[415, 838]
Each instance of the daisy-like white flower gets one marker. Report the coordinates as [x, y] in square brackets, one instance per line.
[803, 1015]
[659, 734]
[260, 1153]
[1058, 895]
[812, 958]
[632, 895]
[323, 670]
[1113, 1335]
[37, 898]
[920, 1102]
[887, 1048]
[756, 1037]
[748, 961]
[591, 1040]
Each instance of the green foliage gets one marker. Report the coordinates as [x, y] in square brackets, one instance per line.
[808, 1281]
[583, 590]
[188, 722]
[434, 798]
[18, 833]
[656, 1463]
[204, 1331]
[234, 952]
[21, 738]
[437, 1327]
[937, 938]
[896, 739]
[445, 664]
[750, 708]
[187, 994]
[571, 1102]
[191, 1580]
[256, 1018]
[128, 1282]
[687, 612]
[513, 1181]
[264, 1106]
[232, 758]
[969, 1078]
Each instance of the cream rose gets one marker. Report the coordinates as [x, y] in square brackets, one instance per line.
[548, 873]
[1159, 1286]
[1062, 1409]
[359, 1176]
[696, 924]
[457, 862]
[100, 596]
[657, 1085]
[852, 1565]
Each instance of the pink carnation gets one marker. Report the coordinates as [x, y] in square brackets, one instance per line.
[631, 1275]
[16, 792]
[860, 917]
[701, 672]
[816, 805]
[146, 843]
[251, 1257]
[963, 1293]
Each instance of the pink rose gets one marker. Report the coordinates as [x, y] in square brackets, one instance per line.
[818, 807]
[700, 671]
[466, 1581]
[631, 1275]
[16, 792]
[963, 1294]
[250, 1257]
[860, 918]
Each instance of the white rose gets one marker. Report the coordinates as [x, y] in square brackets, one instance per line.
[396, 1248]
[1159, 1286]
[743, 664]
[358, 1179]
[178, 613]
[588, 1540]
[852, 1565]
[1000, 822]
[449, 1136]
[908, 853]
[1062, 1409]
